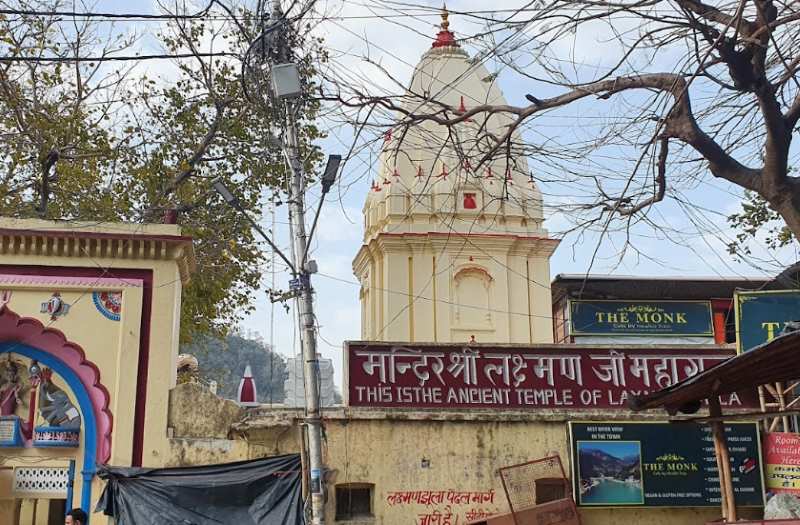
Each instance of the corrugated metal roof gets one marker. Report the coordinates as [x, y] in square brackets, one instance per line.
[629, 287]
[702, 278]
[777, 360]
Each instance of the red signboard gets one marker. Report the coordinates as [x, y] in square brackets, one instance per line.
[782, 460]
[515, 377]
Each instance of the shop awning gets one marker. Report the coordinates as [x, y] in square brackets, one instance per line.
[772, 362]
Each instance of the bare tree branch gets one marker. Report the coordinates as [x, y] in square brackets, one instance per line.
[661, 182]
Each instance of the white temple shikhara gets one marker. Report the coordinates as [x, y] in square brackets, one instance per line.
[451, 250]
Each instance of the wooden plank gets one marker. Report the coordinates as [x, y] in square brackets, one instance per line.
[723, 459]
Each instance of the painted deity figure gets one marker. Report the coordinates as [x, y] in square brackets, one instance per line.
[10, 388]
[55, 406]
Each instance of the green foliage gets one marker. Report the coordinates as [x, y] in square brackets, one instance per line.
[224, 361]
[757, 217]
[116, 144]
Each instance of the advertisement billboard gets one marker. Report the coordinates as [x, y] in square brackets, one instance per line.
[662, 318]
[620, 463]
[782, 460]
[760, 316]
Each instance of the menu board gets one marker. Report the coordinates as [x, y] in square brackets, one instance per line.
[618, 464]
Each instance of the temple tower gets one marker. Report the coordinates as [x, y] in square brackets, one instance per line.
[453, 250]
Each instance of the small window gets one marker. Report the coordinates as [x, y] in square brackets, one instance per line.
[354, 500]
[550, 489]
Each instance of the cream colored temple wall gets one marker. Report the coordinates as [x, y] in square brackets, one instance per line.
[426, 288]
[112, 346]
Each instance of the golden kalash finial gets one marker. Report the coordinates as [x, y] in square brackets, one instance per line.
[445, 37]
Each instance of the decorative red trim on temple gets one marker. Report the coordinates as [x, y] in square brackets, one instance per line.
[445, 37]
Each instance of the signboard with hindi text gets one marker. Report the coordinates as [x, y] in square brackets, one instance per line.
[782, 461]
[450, 376]
[623, 464]
[662, 318]
[760, 316]
[10, 432]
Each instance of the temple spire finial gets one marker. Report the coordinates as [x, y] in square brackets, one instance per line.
[445, 37]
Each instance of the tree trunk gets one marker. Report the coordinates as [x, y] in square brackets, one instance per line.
[788, 207]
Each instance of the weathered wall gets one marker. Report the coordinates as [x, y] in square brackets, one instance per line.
[187, 452]
[194, 412]
[402, 452]
[200, 426]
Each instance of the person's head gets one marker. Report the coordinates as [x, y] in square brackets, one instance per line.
[76, 517]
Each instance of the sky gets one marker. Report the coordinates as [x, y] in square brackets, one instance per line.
[397, 44]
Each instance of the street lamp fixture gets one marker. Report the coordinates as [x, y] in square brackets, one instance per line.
[328, 178]
[225, 193]
[329, 175]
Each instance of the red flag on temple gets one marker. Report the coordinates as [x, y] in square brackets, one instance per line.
[246, 395]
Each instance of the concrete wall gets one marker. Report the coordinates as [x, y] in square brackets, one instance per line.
[407, 451]
[194, 412]
[200, 429]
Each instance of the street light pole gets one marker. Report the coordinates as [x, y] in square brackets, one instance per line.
[286, 88]
[285, 91]
[307, 319]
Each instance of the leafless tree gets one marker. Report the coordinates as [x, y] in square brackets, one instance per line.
[684, 89]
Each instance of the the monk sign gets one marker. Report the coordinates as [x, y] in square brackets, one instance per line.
[518, 377]
[670, 318]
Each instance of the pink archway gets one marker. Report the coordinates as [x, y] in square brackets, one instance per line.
[31, 332]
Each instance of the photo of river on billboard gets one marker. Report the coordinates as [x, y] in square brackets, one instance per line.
[610, 472]
[644, 464]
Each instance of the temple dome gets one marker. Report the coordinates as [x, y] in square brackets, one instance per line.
[428, 177]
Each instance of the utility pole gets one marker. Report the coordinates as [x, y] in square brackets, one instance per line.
[285, 90]
[302, 280]
[308, 333]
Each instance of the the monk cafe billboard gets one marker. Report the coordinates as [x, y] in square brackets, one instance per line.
[653, 318]
[622, 463]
